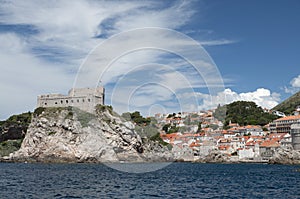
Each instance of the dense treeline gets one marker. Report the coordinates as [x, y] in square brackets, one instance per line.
[20, 119]
[243, 113]
[12, 132]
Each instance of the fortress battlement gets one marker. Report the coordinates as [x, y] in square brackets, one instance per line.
[83, 98]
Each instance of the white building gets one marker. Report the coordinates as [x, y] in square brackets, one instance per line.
[245, 153]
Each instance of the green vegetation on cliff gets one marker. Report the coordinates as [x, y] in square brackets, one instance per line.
[244, 113]
[9, 146]
[288, 105]
[145, 127]
[83, 117]
[12, 132]
[20, 119]
[137, 118]
[168, 128]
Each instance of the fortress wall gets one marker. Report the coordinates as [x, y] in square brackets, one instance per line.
[76, 92]
[85, 99]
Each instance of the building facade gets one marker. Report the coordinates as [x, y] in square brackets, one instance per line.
[283, 125]
[83, 98]
[295, 132]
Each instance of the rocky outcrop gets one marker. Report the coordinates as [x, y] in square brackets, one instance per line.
[285, 155]
[214, 156]
[71, 135]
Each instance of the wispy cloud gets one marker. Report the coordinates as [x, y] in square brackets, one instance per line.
[218, 42]
[44, 43]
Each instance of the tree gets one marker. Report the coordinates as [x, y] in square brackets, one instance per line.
[138, 119]
[173, 129]
[166, 127]
[199, 127]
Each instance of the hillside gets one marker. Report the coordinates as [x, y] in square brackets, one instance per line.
[12, 132]
[243, 113]
[288, 105]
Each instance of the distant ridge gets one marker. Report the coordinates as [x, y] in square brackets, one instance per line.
[288, 105]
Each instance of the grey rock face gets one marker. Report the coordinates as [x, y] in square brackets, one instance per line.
[285, 155]
[214, 156]
[64, 135]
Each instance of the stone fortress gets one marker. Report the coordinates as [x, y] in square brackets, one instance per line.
[83, 98]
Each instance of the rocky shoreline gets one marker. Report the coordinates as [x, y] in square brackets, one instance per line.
[68, 135]
[285, 156]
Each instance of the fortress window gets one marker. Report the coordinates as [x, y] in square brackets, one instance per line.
[67, 101]
[46, 104]
[61, 101]
[55, 102]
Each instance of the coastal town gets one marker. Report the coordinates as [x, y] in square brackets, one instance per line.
[240, 131]
[194, 135]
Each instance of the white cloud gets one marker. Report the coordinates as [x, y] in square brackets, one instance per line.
[294, 85]
[45, 56]
[59, 35]
[23, 76]
[296, 82]
[262, 97]
[66, 27]
[175, 16]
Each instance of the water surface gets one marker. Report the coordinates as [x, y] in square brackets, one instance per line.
[178, 180]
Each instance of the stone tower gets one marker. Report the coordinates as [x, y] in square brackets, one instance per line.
[295, 132]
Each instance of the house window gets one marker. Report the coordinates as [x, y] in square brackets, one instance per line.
[46, 104]
[89, 100]
[67, 101]
[82, 100]
[61, 101]
[78, 100]
[55, 102]
[71, 101]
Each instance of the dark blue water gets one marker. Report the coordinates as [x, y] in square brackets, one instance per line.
[178, 180]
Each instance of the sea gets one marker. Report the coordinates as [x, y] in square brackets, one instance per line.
[175, 180]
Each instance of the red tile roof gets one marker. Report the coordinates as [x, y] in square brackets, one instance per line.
[292, 117]
[270, 143]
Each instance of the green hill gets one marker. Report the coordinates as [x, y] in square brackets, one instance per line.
[12, 132]
[243, 113]
[288, 105]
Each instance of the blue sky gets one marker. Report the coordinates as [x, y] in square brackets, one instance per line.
[254, 45]
[268, 42]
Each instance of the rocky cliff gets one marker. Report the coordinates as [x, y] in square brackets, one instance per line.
[71, 135]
